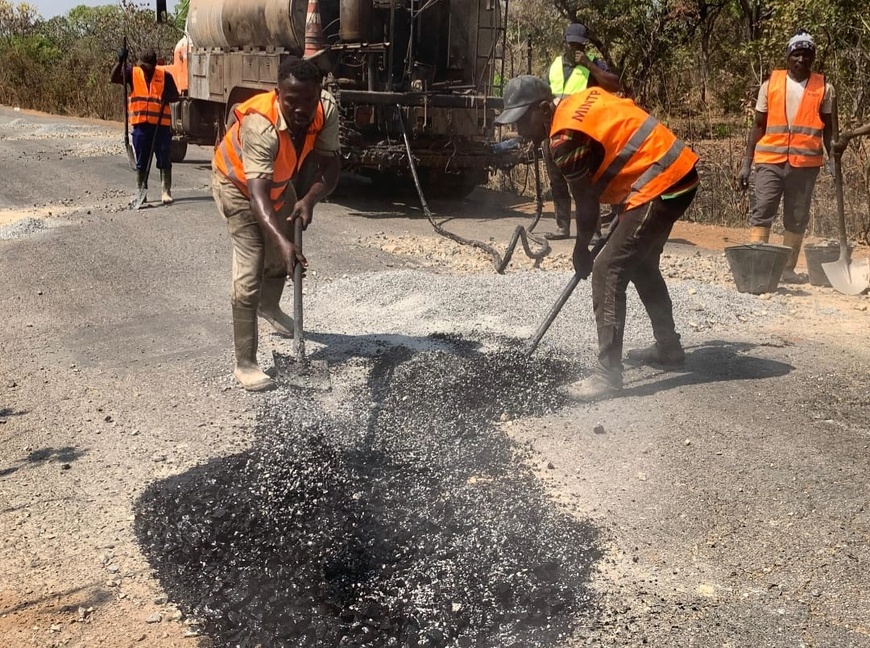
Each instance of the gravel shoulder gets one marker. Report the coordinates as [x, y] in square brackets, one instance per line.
[730, 498]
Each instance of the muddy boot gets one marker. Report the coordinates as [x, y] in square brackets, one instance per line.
[166, 186]
[141, 181]
[759, 234]
[560, 234]
[270, 309]
[247, 372]
[602, 383]
[794, 241]
[667, 355]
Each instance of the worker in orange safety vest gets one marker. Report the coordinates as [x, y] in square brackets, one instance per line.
[149, 87]
[792, 126]
[613, 152]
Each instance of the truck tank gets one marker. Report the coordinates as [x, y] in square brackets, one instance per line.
[247, 23]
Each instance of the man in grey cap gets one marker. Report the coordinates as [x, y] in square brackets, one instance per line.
[572, 72]
[792, 124]
[613, 152]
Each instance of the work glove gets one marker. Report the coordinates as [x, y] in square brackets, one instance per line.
[582, 260]
[743, 176]
[122, 54]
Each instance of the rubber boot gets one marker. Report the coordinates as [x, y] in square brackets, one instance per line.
[141, 180]
[759, 234]
[602, 383]
[247, 372]
[667, 355]
[794, 241]
[270, 308]
[166, 186]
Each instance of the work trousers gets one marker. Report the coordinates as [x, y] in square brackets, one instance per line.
[143, 139]
[254, 256]
[632, 254]
[793, 185]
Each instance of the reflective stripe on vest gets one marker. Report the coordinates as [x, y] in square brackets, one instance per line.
[144, 101]
[642, 158]
[801, 144]
[228, 155]
[578, 80]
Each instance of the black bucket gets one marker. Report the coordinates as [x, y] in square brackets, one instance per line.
[757, 267]
[816, 256]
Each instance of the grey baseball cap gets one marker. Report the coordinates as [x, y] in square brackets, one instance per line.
[576, 33]
[520, 93]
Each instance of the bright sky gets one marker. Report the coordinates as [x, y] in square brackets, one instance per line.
[50, 8]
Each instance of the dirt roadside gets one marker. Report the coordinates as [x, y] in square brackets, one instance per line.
[114, 363]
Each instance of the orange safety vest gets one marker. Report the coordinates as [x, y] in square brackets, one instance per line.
[801, 143]
[642, 158]
[228, 155]
[144, 101]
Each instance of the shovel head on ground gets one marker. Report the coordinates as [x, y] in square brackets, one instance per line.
[139, 200]
[846, 276]
[307, 374]
[131, 155]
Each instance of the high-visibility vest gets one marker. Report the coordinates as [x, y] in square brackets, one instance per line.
[801, 143]
[144, 101]
[228, 155]
[642, 158]
[578, 80]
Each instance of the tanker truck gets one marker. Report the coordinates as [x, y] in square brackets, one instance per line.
[424, 68]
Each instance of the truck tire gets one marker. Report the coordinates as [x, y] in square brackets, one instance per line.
[177, 150]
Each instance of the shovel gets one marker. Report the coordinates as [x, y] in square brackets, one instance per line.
[137, 202]
[847, 277]
[301, 372]
[566, 293]
[131, 155]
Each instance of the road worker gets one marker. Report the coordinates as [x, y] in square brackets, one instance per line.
[148, 88]
[572, 71]
[792, 125]
[612, 152]
[271, 137]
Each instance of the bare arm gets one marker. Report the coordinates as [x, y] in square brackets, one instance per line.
[117, 77]
[756, 133]
[606, 79]
[325, 180]
[828, 132]
[264, 212]
[587, 210]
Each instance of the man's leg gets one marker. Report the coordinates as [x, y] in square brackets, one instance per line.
[142, 137]
[561, 195]
[248, 262]
[163, 153]
[769, 179]
[275, 275]
[797, 200]
[652, 289]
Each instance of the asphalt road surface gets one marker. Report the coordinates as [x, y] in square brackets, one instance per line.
[725, 504]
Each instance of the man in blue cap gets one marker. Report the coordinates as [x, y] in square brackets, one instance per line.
[570, 73]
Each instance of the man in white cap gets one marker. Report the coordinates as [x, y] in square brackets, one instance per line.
[570, 73]
[613, 152]
[792, 124]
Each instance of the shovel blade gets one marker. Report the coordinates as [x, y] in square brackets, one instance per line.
[139, 200]
[131, 157]
[309, 374]
[848, 277]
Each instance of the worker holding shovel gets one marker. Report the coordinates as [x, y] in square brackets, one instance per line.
[272, 138]
[612, 152]
[151, 90]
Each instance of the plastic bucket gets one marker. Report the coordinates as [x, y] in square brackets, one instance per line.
[816, 256]
[757, 267]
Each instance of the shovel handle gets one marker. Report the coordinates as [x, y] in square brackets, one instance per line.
[838, 183]
[298, 337]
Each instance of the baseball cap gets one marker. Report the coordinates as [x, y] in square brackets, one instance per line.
[801, 40]
[576, 33]
[519, 94]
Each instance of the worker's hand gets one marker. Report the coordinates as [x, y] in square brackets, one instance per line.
[839, 147]
[122, 54]
[302, 209]
[743, 176]
[582, 259]
[581, 58]
[291, 255]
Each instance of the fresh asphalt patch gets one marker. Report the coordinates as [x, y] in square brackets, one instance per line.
[401, 516]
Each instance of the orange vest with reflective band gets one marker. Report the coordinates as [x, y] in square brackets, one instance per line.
[800, 144]
[642, 158]
[228, 155]
[144, 101]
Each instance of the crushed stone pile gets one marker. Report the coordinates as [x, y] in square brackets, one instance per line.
[401, 518]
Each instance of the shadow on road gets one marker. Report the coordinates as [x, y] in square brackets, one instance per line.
[65, 456]
[713, 361]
